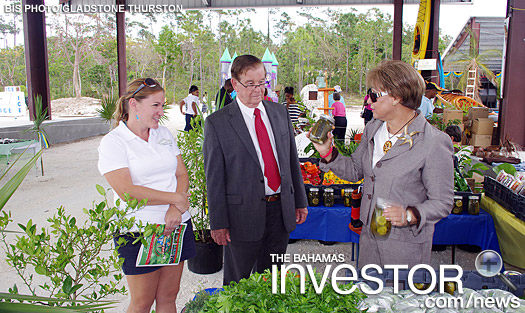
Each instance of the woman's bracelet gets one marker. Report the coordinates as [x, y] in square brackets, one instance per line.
[328, 154]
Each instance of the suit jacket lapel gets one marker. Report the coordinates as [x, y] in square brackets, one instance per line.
[399, 147]
[238, 124]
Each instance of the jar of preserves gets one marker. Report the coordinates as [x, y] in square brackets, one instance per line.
[379, 226]
[321, 128]
[313, 196]
[473, 205]
[329, 197]
[347, 197]
[458, 204]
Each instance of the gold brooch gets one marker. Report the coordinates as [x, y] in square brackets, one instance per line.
[407, 138]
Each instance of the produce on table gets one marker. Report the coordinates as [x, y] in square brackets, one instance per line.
[310, 173]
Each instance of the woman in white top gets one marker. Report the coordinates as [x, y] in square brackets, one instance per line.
[190, 103]
[141, 158]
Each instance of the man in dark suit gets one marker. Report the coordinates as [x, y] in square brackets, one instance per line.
[256, 194]
[223, 97]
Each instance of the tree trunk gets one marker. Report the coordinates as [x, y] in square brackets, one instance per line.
[76, 75]
[200, 68]
[347, 56]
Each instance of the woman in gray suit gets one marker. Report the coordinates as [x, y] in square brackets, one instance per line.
[402, 159]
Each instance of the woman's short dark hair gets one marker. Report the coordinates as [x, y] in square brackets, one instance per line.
[288, 90]
[193, 88]
[400, 80]
[454, 131]
[337, 96]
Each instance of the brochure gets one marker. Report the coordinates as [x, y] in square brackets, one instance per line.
[162, 250]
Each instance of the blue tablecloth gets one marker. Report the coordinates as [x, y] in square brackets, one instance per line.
[331, 224]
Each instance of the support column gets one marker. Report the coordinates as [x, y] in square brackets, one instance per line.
[434, 52]
[37, 71]
[512, 110]
[398, 30]
[121, 50]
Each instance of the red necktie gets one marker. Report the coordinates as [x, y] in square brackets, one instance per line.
[271, 171]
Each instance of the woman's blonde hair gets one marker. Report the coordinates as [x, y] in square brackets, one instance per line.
[122, 111]
[400, 80]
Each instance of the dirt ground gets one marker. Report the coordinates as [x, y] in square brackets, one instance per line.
[70, 177]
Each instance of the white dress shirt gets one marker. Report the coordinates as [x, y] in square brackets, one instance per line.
[249, 119]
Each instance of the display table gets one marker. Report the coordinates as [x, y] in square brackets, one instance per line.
[331, 224]
[510, 231]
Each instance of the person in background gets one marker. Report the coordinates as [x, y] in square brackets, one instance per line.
[256, 194]
[339, 113]
[403, 159]
[266, 95]
[133, 161]
[288, 93]
[455, 134]
[293, 109]
[190, 104]
[205, 102]
[278, 92]
[366, 113]
[223, 97]
[331, 97]
[427, 107]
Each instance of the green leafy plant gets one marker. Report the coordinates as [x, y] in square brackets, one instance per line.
[75, 259]
[13, 301]
[190, 144]
[108, 105]
[465, 163]
[508, 168]
[437, 121]
[254, 294]
[39, 116]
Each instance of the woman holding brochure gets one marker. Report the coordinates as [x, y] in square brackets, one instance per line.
[141, 158]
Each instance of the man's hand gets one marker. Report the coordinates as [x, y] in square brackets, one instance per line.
[173, 218]
[300, 215]
[221, 236]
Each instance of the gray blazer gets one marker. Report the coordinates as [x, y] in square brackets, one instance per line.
[234, 178]
[421, 176]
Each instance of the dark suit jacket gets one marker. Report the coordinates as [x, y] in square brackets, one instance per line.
[234, 178]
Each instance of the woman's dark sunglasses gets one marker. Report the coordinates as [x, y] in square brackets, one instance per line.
[150, 82]
[374, 95]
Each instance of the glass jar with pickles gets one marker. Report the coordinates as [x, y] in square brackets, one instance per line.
[347, 197]
[379, 226]
[313, 196]
[321, 128]
[458, 204]
[328, 197]
[473, 205]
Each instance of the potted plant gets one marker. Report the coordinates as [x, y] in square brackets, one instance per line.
[209, 254]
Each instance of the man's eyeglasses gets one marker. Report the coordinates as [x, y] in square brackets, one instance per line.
[150, 82]
[252, 86]
[375, 95]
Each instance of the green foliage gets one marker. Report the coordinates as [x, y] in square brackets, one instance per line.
[190, 144]
[74, 259]
[465, 163]
[108, 107]
[437, 121]
[508, 168]
[254, 294]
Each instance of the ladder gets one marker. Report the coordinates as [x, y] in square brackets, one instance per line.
[471, 83]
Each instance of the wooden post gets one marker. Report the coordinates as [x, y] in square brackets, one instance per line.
[325, 91]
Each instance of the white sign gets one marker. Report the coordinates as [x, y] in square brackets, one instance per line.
[12, 104]
[301, 142]
[425, 65]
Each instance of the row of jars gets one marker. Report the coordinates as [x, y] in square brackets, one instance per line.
[472, 207]
[328, 196]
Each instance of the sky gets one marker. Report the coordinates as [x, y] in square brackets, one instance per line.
[452, 16]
